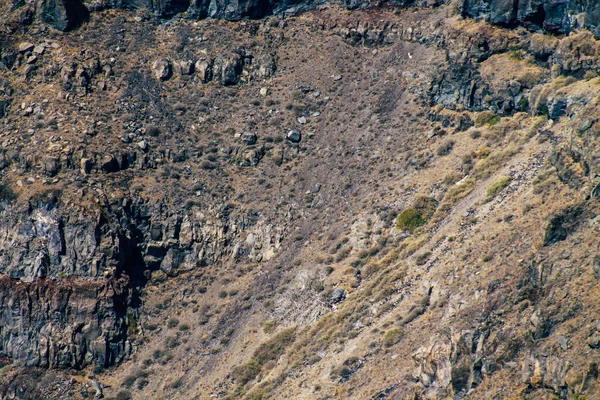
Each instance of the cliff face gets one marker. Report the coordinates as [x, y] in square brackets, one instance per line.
[76, 305]
[552, 15]
[64, 323]
[559, 16]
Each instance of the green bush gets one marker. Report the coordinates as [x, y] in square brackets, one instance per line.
[410, 219]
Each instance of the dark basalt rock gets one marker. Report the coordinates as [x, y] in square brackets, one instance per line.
[550, 15]
[63, 325]
[62, 14]
[561, 224]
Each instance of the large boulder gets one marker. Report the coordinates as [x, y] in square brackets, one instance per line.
[162, 69]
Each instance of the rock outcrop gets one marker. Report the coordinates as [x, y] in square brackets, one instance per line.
[68, 283]
[551, 15]
[559, 16]
[64, 324]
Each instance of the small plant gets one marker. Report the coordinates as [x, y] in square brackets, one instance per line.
[497, 187]
[173, 322]
[523, 104]
[184, 327]
[494, 120]
[392, 336]
[158, 277]
[516, 55]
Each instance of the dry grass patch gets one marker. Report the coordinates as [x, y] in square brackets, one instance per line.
[499, 185]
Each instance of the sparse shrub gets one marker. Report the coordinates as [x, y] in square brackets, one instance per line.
[204, 318]
[129, 380]
[152, 130]
[516, 55]
[208, 166]
[425, 205]
[454, 194]
[222, 294]
[142, 383]
[589, 75]
[494, 120]
[172, 342]
[184, 327]
[173, 322]
[277, 160]
[482, 152]
[486, 118]
[497, 186]
[392, 336]
[123, 395]
[452, 177]
[269, 326]
[177, 383]
[270, 350]
[542, 45]
[158, 277]
[445, 148]
[422, 258]
[343, 254]
[346, 370]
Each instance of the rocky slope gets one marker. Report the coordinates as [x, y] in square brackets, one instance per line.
[380, 203]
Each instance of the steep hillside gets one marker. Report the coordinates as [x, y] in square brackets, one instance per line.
[377, 203]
